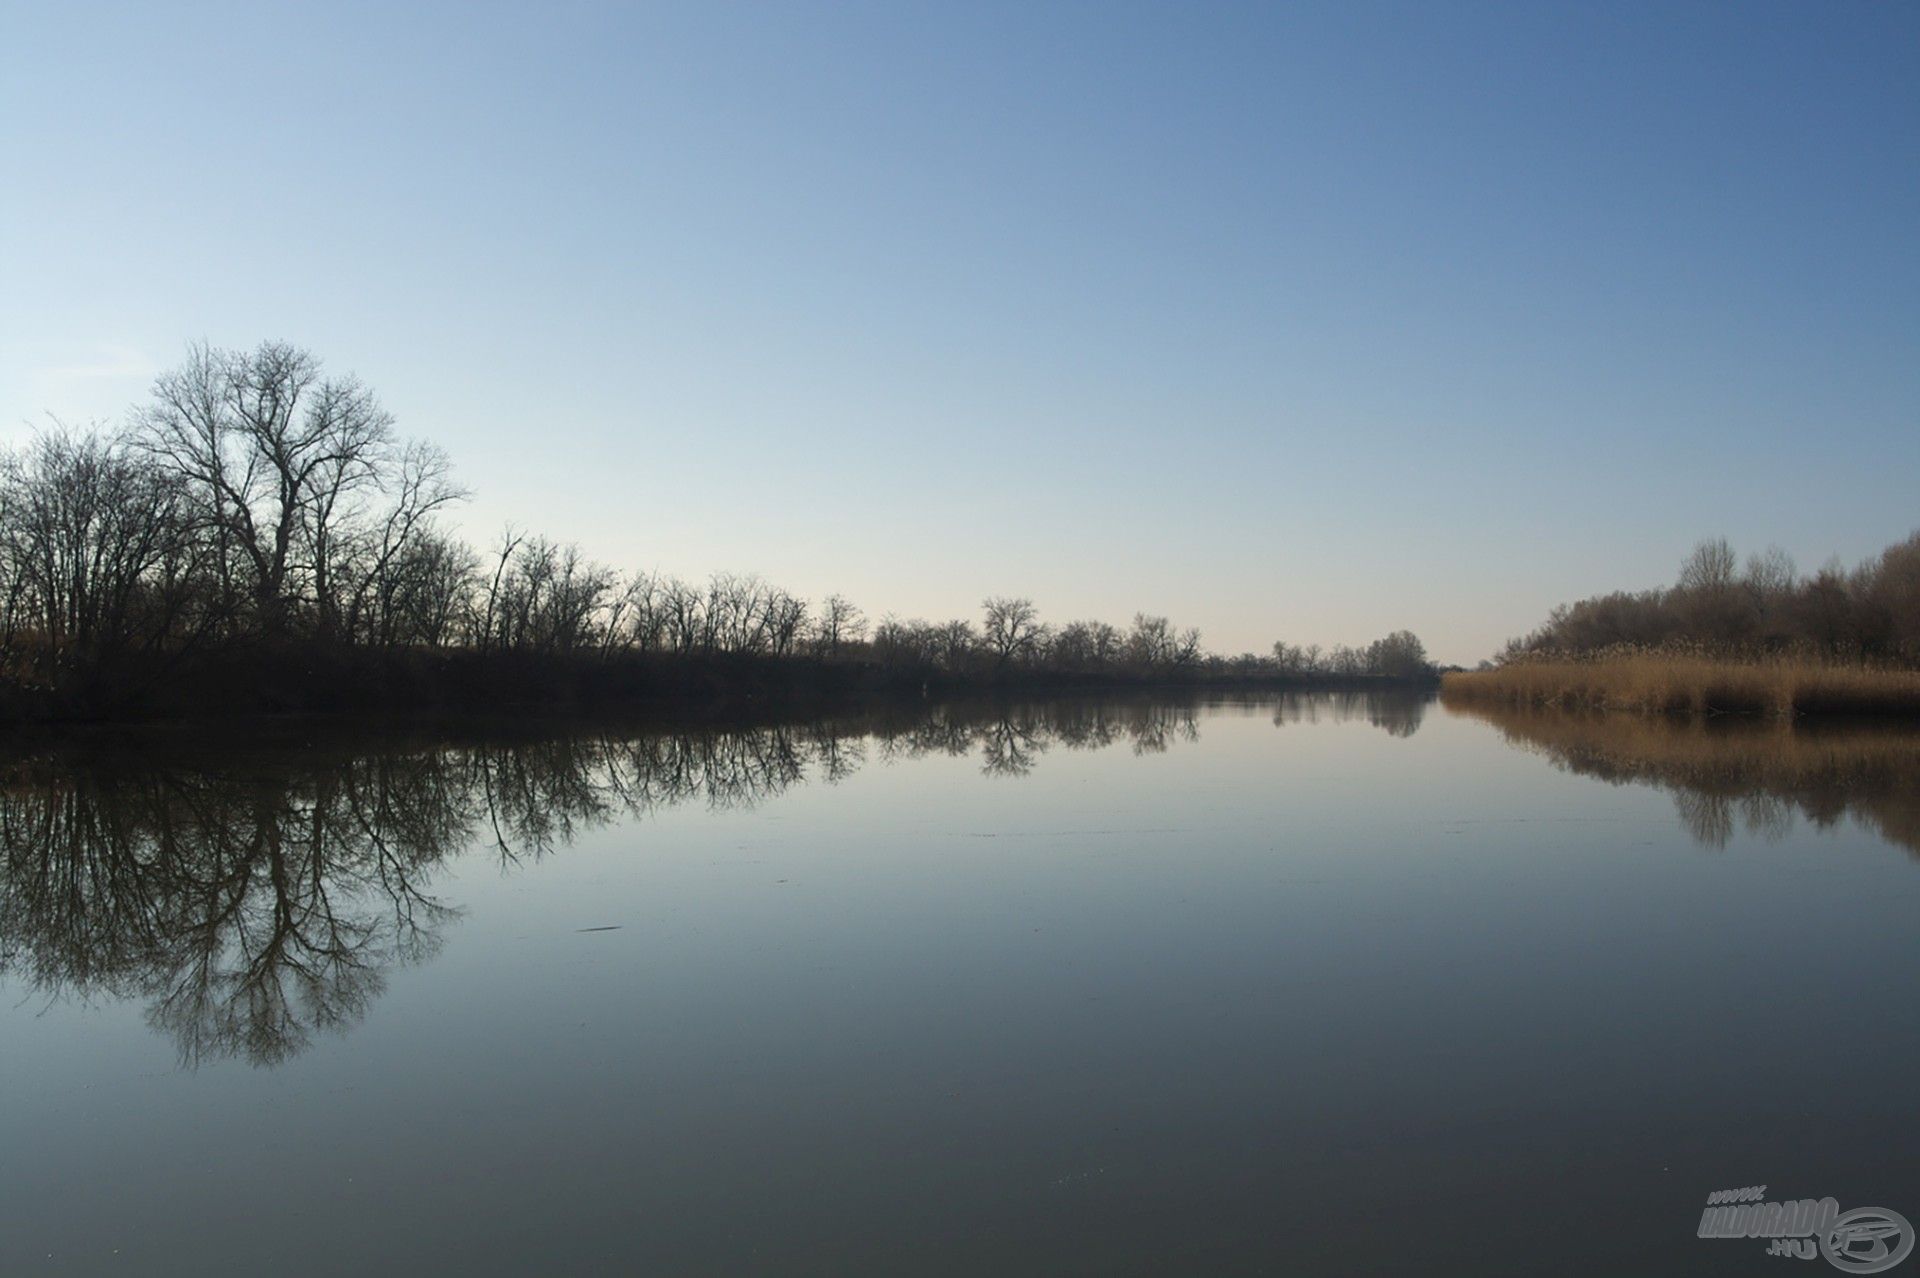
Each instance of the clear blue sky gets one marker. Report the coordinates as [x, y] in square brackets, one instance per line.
[1286, 320]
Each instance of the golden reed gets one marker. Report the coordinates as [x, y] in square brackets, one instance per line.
[1657, 681]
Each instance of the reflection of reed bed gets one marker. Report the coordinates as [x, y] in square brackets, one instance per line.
[1673, 684]
[1725, 772]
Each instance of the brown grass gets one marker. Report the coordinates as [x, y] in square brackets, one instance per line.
[1685, 685]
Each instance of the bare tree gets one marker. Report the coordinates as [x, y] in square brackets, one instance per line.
[952, 645]
[1710, 567]
[683, 614]
[381, 549]
[839, 624]
[546, 597]
[1072, 647]
[487, 615]
[1186, 647]
[1400, 655]
[1708, 599]
[96, 549]
[1012, 632]
[786, 620]
[1890, 589]
[426, 591]
[269, 450]
[1151, 643]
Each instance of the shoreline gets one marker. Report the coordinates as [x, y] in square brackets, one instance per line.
[1692, 687]
[357, 687]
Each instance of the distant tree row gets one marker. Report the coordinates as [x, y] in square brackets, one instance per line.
[255, 499]
[1761, 604]
[1011, 636]
[1400, 655]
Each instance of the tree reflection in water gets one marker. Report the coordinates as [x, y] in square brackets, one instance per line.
[255, 895]
[1734, 773]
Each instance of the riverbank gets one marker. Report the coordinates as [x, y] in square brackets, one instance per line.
[243, 681]
[1693, 686]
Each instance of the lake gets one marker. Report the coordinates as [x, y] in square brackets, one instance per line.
[1336, 984]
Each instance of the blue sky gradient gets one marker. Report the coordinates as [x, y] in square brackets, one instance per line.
[1302, 321]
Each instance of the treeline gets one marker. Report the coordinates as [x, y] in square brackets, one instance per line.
[257, 515]
[1722, 605]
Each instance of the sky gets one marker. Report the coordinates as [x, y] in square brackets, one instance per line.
[1301, 321]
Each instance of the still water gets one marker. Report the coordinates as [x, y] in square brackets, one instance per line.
[1288, 985]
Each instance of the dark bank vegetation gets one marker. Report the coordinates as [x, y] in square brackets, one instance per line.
[1753, 638]
[259, 537]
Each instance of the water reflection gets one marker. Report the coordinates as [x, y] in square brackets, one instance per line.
[249, 909]
[1728, 775]
[1399, 714]
[256, 895]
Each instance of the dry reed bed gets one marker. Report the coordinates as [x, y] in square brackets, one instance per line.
[1657, 683]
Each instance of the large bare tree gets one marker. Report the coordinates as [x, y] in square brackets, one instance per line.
[274, 454]
[1013, 632]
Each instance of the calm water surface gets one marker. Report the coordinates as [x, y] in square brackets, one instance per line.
[1271, 985]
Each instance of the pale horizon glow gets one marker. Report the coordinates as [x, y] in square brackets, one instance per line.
[1306, 322]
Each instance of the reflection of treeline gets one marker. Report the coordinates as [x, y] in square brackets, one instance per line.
[260, 537]
[1765, 605]
[1399, 714]
[249, 910]
[1728, 774]
[254, 892]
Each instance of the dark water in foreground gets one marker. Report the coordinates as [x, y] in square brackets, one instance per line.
[1287, 986]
